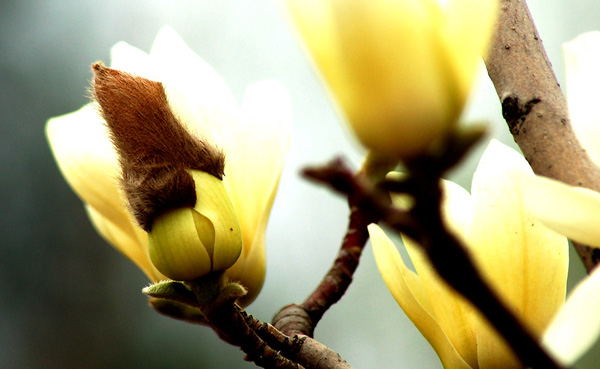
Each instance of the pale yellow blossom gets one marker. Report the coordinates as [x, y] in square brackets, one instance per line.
[521, 259]
[400, 70]
[253, 136]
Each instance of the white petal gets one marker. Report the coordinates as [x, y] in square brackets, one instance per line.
[132, 60]
[582, 61]
[571, 211]
[196, 92]
[577, 325]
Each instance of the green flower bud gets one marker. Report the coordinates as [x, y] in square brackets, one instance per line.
[187, 243]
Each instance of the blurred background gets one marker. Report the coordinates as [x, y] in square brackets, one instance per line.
[68, 300]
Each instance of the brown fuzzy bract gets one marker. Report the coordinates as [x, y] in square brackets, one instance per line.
[154, 148]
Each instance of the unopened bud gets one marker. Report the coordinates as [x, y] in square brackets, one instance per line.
[186, 243]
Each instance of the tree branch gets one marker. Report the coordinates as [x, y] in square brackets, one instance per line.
[227, 322]
[302, 318]
[534, 107]
[301, 349]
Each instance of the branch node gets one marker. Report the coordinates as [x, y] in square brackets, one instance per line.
[515, 112]
[294, 319]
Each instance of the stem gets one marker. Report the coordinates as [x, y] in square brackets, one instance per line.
[217, 299]
[227, 322]
[302, 349]
[302, 318]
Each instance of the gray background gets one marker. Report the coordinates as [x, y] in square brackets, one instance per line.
[68, 300]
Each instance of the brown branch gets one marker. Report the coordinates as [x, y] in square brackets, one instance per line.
[210, 301]
[302, 318]
[232, 327]
[424, 224]
[301, 349]
[534, 107]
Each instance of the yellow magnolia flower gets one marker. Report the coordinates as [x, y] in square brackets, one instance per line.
[254, 138]
[523, 261]
[401, 70]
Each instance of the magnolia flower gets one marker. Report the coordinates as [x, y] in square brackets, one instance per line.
[401, 70]
[522, 260]
[253, 138]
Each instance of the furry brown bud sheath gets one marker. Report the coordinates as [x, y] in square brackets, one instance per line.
[154, 148]
[171, 178]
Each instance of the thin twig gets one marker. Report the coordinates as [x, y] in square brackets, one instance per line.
[535, 108]
[302, 318]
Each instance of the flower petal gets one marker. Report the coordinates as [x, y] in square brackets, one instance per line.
[250, 269]
[469, 26]
[410, 294]
[252, 170]
[196, 92]
[132, 60]
[85, 156]
[577, 325]
[568, 210]
[452, 311]
[125, 242]
[582, 57]
[355, 44]
[524, 261]
[259, 143]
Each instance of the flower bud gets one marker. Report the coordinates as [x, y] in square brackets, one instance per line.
[400, 71]
[186, 243]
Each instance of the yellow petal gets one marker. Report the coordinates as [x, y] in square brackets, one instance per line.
[582, 57]
[187, 243]
[213, 202]
[408, 291]
[196, 92]
[175, 248]
[382, 61]
[450, 309]
[577, 325]
[524, 261]
[568, 210]
[469, 26]
[85, 156]
[252, 170]
[126, 243]
[250, 269]
[259, 145]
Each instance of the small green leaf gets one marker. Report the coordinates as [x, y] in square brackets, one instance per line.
[172, 290]
[177, 310]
